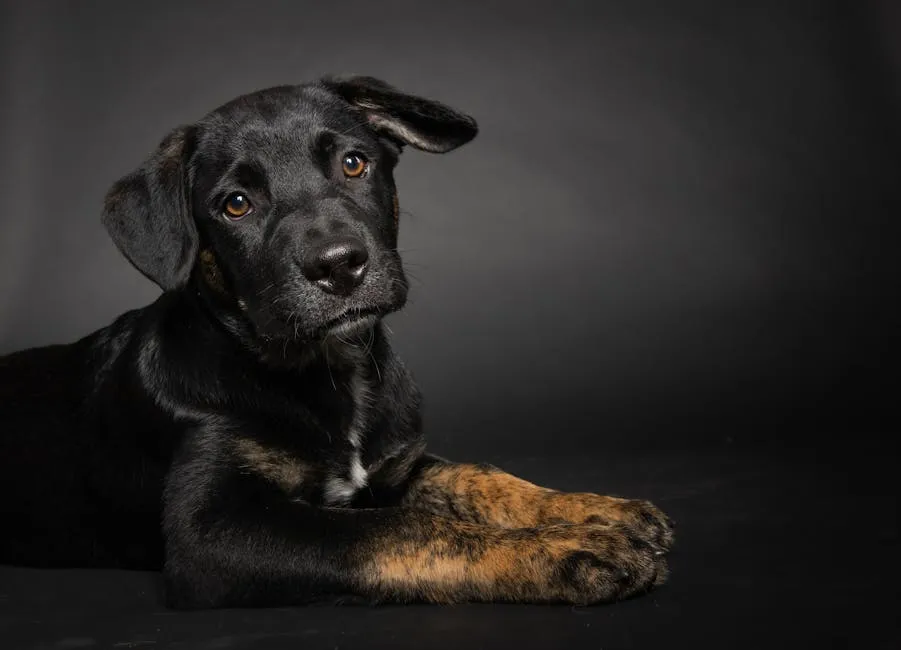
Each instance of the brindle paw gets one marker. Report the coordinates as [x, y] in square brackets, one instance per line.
[649, 520]
[590, 564]
[646, 519]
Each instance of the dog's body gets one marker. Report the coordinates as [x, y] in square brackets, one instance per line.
[251, 431]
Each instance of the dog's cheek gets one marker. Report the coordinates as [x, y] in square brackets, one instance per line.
[211, 273]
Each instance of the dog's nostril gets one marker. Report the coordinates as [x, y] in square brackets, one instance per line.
[357, 257]
[337, 265]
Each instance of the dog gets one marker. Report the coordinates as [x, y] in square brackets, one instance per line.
[250, 433]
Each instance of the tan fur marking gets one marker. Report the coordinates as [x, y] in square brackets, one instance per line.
[468, 562]
[486, 495]
[277, 466]
[579, 507]
[438, 573]
[437, 580]
[210, 269]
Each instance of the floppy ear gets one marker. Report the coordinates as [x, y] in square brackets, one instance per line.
[148, 215]
[419, 122]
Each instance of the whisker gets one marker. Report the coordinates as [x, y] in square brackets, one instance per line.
[328, 365]
[371, 341]
[372, 356]
[413, 276]
[260, 293]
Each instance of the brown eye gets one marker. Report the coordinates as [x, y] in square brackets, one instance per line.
[354, 165]
[236, 206]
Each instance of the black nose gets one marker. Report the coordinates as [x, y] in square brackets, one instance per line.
[337, 265]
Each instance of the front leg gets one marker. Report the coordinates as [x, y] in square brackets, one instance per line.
[234, 538]
[486, 495]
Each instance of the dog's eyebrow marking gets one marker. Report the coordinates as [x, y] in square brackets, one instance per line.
[278, 466]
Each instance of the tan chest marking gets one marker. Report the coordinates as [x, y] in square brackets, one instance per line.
[278, 466]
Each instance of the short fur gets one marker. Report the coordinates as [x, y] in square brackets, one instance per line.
[251, 432]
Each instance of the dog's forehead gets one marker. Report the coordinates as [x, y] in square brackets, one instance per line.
[271, 103]
[276, 118]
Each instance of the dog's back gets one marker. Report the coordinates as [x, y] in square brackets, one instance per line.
[57, 461]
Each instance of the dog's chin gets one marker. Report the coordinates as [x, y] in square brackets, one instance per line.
[353, 323]
[349, 326]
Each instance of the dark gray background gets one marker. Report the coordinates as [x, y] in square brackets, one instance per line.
[678, 223]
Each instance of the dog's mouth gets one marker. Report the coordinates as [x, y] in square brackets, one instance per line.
[295, 314]
[352, 322]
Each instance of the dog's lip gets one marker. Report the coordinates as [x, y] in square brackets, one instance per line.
[355, 315]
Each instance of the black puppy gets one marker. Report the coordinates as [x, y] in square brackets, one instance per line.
[251, 432]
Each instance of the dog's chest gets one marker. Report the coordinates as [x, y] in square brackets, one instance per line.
[347, 475]
[327, 467]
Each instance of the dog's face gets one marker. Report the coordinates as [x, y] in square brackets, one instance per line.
[283, 202]
[294, 199]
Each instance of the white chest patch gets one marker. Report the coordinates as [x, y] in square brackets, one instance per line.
[341, 488]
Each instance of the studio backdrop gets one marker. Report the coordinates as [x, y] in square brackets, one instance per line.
[677, 224]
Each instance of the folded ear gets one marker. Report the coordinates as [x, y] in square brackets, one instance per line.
[419, 122]
[148, 215]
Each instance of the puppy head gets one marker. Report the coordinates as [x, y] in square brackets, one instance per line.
[283, 202]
